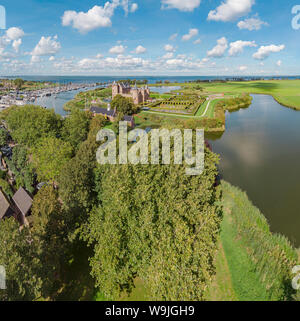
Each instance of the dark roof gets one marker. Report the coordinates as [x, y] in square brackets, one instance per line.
[103, 111]
[22, 200]
[4, 205]
[128, 118]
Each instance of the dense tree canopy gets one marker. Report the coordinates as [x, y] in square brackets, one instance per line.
[49, 157]
[156, 223]
[19, 83]
[29, 123]
[76, 127]
[123, 105]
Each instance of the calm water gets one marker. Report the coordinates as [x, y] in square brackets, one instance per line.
[260, 153]
[58, 102]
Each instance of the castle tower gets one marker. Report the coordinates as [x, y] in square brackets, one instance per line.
[115, 89]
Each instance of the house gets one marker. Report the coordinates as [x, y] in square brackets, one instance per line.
[138, 95]
[112, 115]
[5, 208]
[23, 202]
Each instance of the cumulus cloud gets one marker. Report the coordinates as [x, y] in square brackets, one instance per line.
[168, 55]
[182, 5]
[99, 56]
[251, 24]
[46, 47]
[134, 7]
[192, 33]
[117, 50]
[279, 63]
[140, 50]
[14, 33]
[96, 17]
[265, 51]
[169, 48]
[237, 47]
[231, 10]
[16, 44]
[219, 50]
[52, 58]
[197, 42]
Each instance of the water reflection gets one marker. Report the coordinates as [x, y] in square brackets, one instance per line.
[260, 153]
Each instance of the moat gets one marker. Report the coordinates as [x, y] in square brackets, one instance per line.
[260, 153]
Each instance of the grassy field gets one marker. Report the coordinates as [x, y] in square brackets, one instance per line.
[286, 92]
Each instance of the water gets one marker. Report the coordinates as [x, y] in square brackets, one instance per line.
[58, 102]
[260, 154]
[151, 79]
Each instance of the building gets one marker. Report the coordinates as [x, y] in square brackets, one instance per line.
[5, 208]
[23, 203]
[138, 95]
[112, 115]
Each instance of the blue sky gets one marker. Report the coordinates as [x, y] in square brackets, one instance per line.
[150, 37]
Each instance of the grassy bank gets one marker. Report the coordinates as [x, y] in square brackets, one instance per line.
[258, 262]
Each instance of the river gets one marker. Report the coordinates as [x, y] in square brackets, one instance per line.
[260, 153]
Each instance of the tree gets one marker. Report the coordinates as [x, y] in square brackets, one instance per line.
[76, 127]
[155, 223]
[19, 256]
[22, 168]
[3, 137]
[49, 157]
[123, 105]
[19, 83]
[50, 232]
[30, 123]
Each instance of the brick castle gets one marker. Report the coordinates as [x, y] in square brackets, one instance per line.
[139, 95]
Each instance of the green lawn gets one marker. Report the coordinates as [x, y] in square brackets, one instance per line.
[286, 92]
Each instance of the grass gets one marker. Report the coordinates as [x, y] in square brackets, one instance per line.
[286, 92]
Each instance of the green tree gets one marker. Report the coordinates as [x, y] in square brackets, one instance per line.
[76, 127]
[3, 137]
[19, 256]
[19, 83]
[156, 223]
[123, 105]
[49, 157]
[22, 168]
[30, 123]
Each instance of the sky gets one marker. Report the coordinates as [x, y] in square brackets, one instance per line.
[150, 37]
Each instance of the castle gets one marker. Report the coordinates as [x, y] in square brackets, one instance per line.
[139, 95]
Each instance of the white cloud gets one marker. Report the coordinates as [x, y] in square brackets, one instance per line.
[279, 63]
[231, 10]
[16, 44]
[169, 48]
[264, 51]
[219, 50]
[96, 17]
[168, 55]
[237, 47]
[35, 59]
[14, 33]
[243, 68]
[173, 37]
[117, 50]
[251, 24]
[99, 56]
[140, 50]
[134, 7]
[52, 58]
[197, 42]
[46, 47]
[192, 33]
[182, 5]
